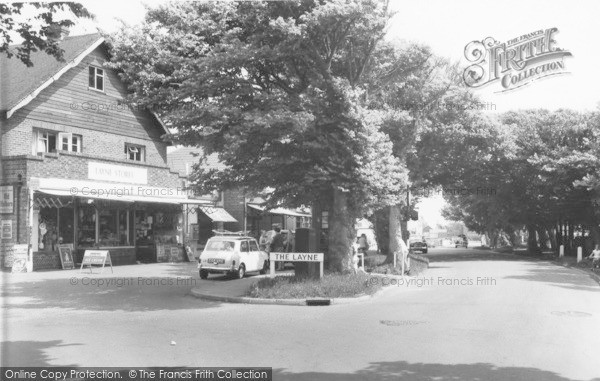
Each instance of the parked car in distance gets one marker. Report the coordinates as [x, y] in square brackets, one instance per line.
[461, 241]
[232, 255]
[419, 245]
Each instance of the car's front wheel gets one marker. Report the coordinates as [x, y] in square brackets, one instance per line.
[265, 269]
[241, 271]
[203, 274]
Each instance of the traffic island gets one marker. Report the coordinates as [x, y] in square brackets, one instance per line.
[288, 290]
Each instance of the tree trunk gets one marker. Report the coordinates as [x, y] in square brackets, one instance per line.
[381, 222]
[543, 238]
[395, 232]
[341, 233]
[552, 237]
[493, 236]
[532, 245]
[513, 238]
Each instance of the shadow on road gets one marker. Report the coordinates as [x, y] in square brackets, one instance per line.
[105, 294]
[475, 255]
[29, 353]
[558, 276]
[401, 370]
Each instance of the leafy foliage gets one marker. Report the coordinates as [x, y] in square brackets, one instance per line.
[40, 32]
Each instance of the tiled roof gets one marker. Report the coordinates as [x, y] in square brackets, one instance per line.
[18, 80]
[181, 157]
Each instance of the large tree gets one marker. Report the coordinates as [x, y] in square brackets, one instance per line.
[278, 90]
[37, 26]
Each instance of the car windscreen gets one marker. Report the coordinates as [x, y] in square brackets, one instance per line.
[220, 245]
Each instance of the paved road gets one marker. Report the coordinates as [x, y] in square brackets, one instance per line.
[525, 320]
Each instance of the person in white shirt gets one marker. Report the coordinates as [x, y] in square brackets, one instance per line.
[595, 256]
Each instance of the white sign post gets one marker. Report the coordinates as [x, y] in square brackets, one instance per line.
[296, 257]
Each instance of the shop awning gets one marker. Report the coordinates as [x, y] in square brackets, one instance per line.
[283, 211]
[217, 214]
[48, 201]
[114, 191]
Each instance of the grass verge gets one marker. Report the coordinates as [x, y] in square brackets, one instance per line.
[330, 286]
[418, 264]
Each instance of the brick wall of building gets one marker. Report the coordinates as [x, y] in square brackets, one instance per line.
[68, 165]
[10, 171]
[61, 165]
[233, 202]
[18, 136]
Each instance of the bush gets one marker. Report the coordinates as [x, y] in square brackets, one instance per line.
[374, 260]
[330, 286]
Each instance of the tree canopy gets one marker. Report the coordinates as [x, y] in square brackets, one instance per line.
[280, 91]
[38, 26]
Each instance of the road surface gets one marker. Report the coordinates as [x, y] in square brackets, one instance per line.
[474, 315]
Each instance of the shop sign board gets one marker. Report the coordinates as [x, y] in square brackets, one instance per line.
[296, 257]
[7, 199]
[176, 254]
[6, 226]
[19, 258]
[66, 256]
[96, 258]
[161, 253]
[117, 173]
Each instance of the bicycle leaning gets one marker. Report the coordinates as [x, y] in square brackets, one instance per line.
[589, 263]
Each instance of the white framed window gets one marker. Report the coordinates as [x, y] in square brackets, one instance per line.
[135, 152]
[96, 78]
[49, 141]
[69, 142]
[44, 142]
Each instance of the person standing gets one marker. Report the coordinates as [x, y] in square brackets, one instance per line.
[277, 246]
[595, 256]
[363, 245]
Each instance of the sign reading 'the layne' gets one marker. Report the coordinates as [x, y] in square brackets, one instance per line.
[297, 257]
[117, 173]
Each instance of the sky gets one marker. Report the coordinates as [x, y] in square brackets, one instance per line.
[447, 27]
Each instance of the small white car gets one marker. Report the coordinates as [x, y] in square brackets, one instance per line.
[232, 255]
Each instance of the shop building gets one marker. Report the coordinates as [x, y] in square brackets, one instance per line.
[79, 166]
[232, 209]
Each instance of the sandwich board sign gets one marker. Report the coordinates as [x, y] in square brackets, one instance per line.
[96, 258]
[66, 256]
[19, 258]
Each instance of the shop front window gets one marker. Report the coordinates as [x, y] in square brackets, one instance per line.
[107, 228]
[54, 222]
[123, 227]
[48, 229]
[167, 226]
[65, 225]
[86, 235]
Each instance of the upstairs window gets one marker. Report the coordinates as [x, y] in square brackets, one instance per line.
[44, 142]
[69, 142]
[96, 78]
[134, 152]
[47, 142]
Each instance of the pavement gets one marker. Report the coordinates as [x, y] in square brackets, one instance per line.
[184, 275]
[474, 315]
[565, 261]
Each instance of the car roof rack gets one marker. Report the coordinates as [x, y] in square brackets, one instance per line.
[228, 233]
